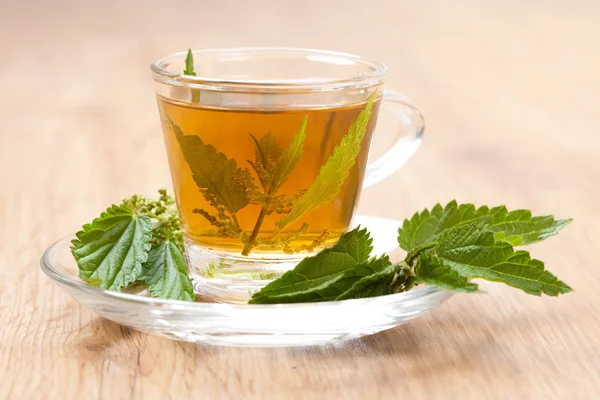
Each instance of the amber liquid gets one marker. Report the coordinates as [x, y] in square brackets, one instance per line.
[228, 131]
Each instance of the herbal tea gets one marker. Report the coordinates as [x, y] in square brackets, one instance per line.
[266, 182]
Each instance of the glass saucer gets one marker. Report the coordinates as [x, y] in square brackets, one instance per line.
[278, 325]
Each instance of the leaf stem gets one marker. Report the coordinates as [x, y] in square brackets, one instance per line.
[410, 257]
[408, 274]
[235, 221]
[259, 221]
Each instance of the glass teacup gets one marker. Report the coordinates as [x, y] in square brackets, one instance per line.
[268, 150]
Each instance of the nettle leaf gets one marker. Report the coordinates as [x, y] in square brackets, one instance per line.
[424, 227]
[329, 284]
[432, 271]
[166, 273]
[189, 64]
[471, 251]
[343, 271]
[326, 275]
[520, 228]
[333, 174]
[111, 250]
[516, 227]
[267, 154]
[384, 278]
[214, 172]
[352, 276]
[267, 150]
[189, 70]
[307, 282]
[378, 283]
[290, 157]
[357, 243]
[271, 164]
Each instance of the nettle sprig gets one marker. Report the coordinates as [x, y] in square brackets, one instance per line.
[139, 240]
[446, 247]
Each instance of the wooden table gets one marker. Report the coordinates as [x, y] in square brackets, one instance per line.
[511, 94]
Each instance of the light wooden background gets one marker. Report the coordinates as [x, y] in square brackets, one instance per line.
[511, 93]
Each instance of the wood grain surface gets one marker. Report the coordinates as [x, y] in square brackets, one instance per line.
[511, 93]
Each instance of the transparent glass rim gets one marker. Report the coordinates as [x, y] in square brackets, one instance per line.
[160, 74]
[58, 274]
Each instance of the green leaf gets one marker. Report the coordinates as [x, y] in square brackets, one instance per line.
[189, 64]
[357, 243]
[516, 227]
[383, 279]
[328, 287]
[325, 275]
[111, 250]
[307, 281]
[166, 273]
[333, 174]
[341, 272]
[290, 157]
[520, 228]
[432, 271]
[376, 284]
[189, 70]
[471, 251]
[273, 167]
[267, 155]
[224, 183]
[267, 150]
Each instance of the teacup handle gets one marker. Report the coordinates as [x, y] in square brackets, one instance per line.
[408, 139]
